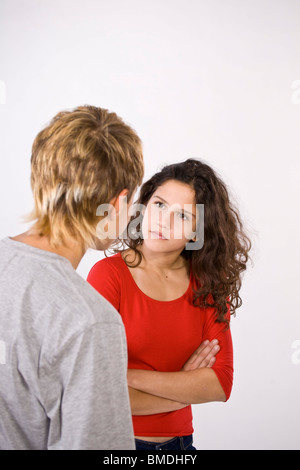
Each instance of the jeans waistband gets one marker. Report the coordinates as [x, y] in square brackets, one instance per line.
[178, 442]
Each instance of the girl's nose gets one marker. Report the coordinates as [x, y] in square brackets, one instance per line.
[164, 219]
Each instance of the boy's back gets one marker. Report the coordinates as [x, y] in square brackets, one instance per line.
[58, 339]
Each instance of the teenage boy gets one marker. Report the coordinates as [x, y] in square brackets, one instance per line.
[63, 353]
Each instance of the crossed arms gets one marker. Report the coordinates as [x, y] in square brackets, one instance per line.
[154, 392]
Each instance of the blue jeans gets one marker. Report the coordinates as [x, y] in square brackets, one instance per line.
[176, 443]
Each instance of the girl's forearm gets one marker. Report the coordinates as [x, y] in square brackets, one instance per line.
[195, 386]
[143, 403]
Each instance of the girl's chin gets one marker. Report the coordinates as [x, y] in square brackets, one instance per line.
[163, 244]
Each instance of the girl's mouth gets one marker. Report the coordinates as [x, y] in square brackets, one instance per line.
[158, 235]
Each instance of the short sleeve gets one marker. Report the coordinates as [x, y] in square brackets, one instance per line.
[87, 399]
[223, 366]
[105, 278]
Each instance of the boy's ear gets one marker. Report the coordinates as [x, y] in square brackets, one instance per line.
[117, 201]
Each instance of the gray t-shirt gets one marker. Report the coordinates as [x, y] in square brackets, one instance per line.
[63, 357]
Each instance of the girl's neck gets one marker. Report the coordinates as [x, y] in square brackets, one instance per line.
[160, 261]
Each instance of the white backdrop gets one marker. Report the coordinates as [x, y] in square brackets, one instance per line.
[213, 79]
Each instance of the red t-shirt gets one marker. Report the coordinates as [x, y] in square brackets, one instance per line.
[161, 336]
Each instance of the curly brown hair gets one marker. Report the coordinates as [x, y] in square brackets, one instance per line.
[218, 265]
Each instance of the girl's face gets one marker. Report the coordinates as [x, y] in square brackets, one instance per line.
[170, 218]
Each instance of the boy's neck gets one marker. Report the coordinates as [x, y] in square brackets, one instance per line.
[72, 250]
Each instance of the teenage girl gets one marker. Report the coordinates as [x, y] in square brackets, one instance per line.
[176, 302]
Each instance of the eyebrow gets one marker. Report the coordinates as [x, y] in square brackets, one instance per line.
[183, 210]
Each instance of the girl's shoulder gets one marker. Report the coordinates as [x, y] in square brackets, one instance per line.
[112, 259]
[113, 268]
[107, 266]
[106, 276]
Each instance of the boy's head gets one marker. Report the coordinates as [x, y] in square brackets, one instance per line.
[83, 158]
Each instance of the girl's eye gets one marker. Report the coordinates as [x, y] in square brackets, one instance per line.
[182, 216]
[159, 204]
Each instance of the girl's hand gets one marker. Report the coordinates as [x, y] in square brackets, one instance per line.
[204, 356]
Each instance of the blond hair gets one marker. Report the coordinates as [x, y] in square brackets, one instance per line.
[83, 158]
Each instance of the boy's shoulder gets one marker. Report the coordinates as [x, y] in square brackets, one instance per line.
[48, 282]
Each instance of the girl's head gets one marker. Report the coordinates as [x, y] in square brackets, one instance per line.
[218, 264]
[169, 217]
